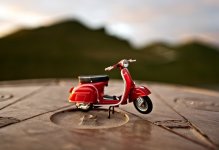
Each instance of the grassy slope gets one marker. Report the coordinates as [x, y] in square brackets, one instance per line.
[69, 49]
[192, 63]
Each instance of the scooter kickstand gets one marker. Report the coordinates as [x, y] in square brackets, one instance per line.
[110, 111]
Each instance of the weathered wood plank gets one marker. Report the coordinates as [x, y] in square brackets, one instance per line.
[171, 125]
[165, 115]
[40, 133]
[11, 95]
[200, 107]
[49, 98]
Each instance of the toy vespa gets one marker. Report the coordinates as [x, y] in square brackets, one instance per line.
[90, 91]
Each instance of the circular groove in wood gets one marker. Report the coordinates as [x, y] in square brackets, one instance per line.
[94, 119]
[5, 96]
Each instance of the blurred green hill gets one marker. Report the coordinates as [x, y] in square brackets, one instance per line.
[69, 49]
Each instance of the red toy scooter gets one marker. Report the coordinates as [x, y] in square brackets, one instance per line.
[90, 91]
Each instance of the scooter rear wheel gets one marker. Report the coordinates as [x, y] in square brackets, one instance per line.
[143, 104]
[84, 106]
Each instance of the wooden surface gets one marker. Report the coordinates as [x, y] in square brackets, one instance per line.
[182, 118]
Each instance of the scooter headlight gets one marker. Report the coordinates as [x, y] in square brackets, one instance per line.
[125, 63]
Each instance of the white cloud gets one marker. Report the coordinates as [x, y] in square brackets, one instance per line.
[139, 21]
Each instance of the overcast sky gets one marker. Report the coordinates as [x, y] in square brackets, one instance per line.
[139, 21]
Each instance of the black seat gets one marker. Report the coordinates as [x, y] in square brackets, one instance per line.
[93, 78]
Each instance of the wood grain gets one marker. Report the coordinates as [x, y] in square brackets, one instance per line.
[182, 118]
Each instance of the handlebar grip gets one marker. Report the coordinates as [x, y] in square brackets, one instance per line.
[109, 68]
[132, 60]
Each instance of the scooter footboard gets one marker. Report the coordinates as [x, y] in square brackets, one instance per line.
[138, 91]
[84, 94]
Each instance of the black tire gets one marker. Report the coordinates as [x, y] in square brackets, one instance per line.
[85, 110]
[148, 106]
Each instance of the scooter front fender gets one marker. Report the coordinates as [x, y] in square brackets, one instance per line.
[137, 92]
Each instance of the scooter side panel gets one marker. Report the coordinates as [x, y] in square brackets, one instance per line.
[83, 94]
[137, 92]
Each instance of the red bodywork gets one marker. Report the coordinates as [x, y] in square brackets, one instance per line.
[88, 92]
[138, 91]
[94, 92]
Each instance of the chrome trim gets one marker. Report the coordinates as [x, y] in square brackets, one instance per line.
[125, 63]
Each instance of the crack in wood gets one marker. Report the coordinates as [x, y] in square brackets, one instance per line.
[173, 124]
[5, 121]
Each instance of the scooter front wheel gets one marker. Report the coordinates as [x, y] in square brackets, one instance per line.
[143, 104]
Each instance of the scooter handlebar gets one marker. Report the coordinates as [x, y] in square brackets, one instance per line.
[116, 65]
[109, 68]
[132, 60]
